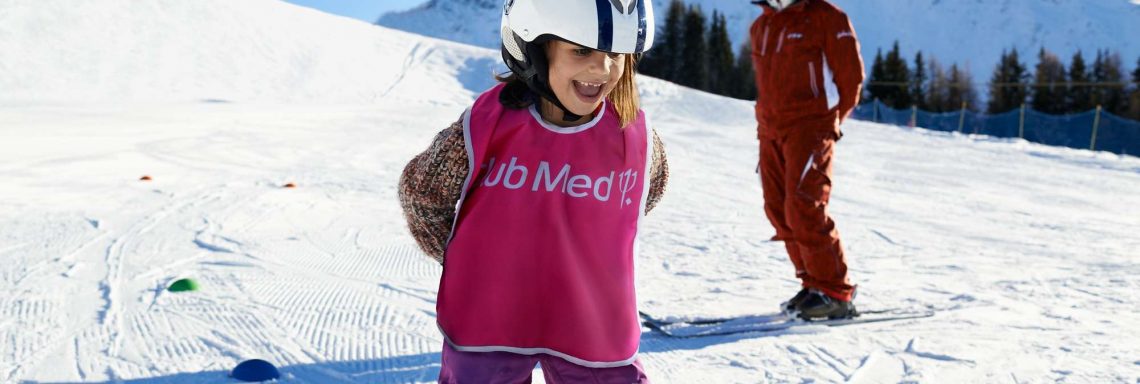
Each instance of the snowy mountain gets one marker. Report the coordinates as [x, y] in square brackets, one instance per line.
[476, 22]
[176, 50]
[1029, 265]
[972, 32]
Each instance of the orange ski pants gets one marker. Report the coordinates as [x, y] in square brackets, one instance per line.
[795, 173]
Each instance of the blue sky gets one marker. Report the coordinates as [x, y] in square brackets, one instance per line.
[367, 10]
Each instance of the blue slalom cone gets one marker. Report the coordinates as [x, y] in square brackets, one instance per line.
[255, 370]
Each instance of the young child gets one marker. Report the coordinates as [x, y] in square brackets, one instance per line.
[533, 201]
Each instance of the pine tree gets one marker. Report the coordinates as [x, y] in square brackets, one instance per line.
[721, 63]
[961, 89]
[1080, 98]
[954, 89]
[1118, 98]
[650, 64]
[1110, 75]
[1008, 86]
[918, 84]
[897, 93]
[969, 91]
[1049, 84]
[875, 88]
[997, 92]
[712, 59]
[694, 65]
[1134, 101]
[1096, 77]
[1020, 78]
[937, 92]
[663, 60]
[1136, 76]
[745, 84]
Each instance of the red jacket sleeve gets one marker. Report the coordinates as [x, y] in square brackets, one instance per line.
[842, 50]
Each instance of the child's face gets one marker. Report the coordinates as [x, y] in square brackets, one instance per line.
[582, 77]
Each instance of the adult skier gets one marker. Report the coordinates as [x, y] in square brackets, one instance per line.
[809, 75]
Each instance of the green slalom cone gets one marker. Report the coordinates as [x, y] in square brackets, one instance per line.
[184, 285]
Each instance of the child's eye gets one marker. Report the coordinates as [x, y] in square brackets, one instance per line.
[583, 51]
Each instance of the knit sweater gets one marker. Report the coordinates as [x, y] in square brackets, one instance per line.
[432, 183]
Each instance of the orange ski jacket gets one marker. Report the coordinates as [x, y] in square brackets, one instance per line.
[808, 67]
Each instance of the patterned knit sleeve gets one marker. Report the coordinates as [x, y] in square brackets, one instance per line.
[430, 188]
[659, 173]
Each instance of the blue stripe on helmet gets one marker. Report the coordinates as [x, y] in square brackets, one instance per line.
[605, 25]
[642, 28]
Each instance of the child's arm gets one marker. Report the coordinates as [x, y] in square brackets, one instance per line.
[430, 187]
[659, 173]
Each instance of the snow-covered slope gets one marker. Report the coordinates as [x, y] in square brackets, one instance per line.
[1026, 252]
[219, 50]
[972, 32]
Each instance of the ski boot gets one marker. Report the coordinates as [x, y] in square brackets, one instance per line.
[818, 305]
[789, 307]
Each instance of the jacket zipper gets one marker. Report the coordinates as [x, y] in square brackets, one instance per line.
[814, 84]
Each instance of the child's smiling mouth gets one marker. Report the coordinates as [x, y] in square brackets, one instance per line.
[588, 92]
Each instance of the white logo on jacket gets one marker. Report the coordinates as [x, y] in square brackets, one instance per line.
[515, 176]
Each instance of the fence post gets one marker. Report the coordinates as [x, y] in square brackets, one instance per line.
[875, 110]
[1096, 124]
[914, 116]
[962, 117]
[1021, 123]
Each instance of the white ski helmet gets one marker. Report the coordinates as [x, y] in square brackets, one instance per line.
[613, 26]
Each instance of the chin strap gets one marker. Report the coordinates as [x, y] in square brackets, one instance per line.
[568, 116]
[534, 75]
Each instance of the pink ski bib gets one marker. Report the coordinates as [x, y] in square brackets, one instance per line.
[541, 258]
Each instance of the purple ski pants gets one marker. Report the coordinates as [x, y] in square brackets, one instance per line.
[512, 368]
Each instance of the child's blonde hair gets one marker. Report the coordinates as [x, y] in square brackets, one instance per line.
[624, 96]
[626, 100]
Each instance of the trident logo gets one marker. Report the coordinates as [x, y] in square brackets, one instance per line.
[626, 181]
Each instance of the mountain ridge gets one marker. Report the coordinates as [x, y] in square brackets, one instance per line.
[960, 32]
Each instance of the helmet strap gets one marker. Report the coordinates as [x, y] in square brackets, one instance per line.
[535, 74]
